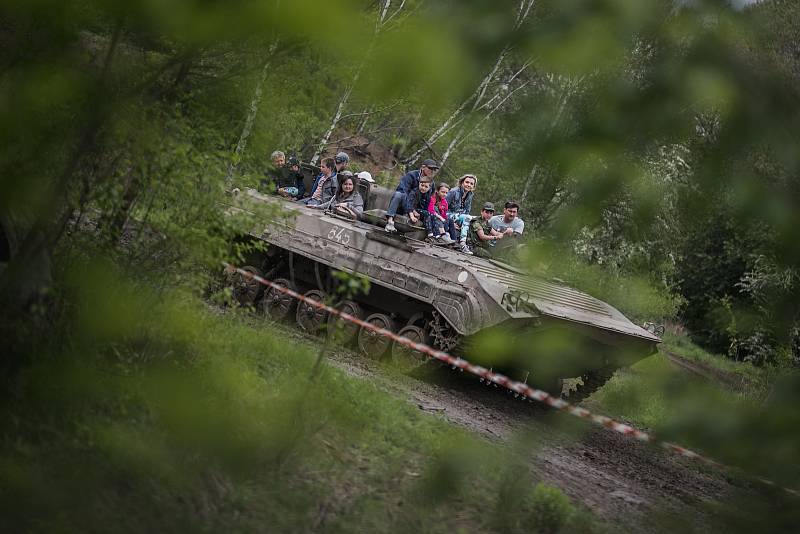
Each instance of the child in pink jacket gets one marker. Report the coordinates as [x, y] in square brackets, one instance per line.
[437, 215]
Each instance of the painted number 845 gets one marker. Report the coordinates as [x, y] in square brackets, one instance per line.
[340, 235]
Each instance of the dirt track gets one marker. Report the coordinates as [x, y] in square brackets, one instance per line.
[624, 482]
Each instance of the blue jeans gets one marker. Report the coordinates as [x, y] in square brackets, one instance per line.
[397, 204]
[462, 219]
[434, 225]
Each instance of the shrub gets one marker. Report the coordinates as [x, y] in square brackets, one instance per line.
[551, 509]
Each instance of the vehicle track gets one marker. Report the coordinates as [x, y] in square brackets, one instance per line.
[623, 482]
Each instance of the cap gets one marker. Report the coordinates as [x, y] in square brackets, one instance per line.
[293, 161]
[431, 163]
[341, 157]
[488, 206]
[367, 177]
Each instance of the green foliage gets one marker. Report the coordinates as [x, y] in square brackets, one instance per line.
[551, 509]
[719, 255]
[652, 392]
[157, 403]
[653, 147]
[156, 408]
[548, 510]
[634, 294]
[756, 378]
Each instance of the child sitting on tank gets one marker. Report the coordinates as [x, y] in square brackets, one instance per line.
[481, 234]
[347, 202]
[417, 201]
[437, 215]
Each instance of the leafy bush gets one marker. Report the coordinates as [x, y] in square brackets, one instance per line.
[551, 509]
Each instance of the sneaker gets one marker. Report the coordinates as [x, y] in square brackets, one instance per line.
[462, 247]
[444, 238]
[390, 227]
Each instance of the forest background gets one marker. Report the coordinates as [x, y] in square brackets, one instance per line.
[653, 146]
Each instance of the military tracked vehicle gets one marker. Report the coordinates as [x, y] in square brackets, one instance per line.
[485, 310]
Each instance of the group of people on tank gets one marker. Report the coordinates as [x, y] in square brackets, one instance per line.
[334, 188]
[444, 211]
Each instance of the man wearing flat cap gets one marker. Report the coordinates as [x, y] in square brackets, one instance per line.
[408, 184]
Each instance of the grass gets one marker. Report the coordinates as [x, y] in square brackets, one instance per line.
[652, 391]
[755, 377]
[636, 394]
[167, 416]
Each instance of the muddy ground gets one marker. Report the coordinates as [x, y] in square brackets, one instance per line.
[627, 484]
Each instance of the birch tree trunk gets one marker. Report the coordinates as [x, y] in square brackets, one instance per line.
[458, 115]
[477, 100]
[488, 109]
[251, 115]
[381, 21]
[336, 116]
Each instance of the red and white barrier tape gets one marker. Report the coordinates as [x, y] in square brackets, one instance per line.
[501, 380]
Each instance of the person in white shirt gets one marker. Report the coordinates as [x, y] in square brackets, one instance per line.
[508, 223]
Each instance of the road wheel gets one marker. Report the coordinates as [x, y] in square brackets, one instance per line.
[372, 344]
[406, 358]
[341, 331]
[276, 305]
[310, 318]
[246, 291]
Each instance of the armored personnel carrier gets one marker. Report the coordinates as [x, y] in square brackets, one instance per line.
[486, 310]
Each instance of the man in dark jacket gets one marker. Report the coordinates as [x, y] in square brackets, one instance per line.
[290, 183]
[273, 172]
[342, 161]
[408, 184]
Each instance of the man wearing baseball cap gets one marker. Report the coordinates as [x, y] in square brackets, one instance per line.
[408, 184]
[342, 161]
[481, 234]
